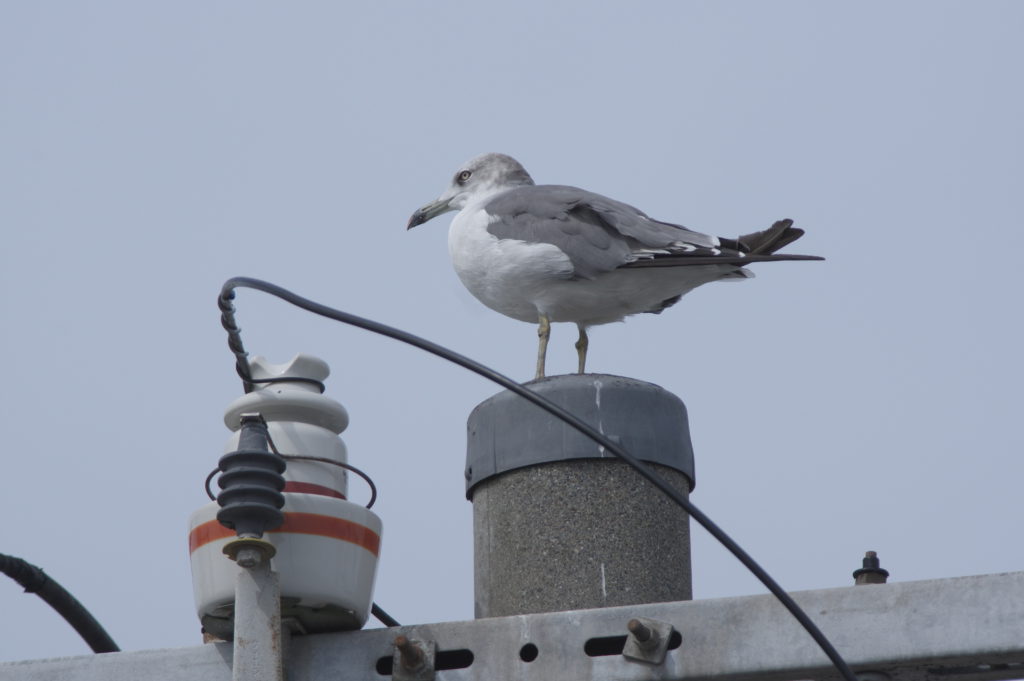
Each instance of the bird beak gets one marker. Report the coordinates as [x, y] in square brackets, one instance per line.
[430, 211]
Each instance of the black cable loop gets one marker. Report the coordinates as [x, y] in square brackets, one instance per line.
[291, 379]
[346, 466]
[227, 293]
[321, 459]
[302, 457]
[206, 485]
[299, 457]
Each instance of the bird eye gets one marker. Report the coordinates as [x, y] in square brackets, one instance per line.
[463, 176]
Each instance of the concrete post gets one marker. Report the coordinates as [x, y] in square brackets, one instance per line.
[561, 524]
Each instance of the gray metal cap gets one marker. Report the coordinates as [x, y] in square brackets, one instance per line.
[507, 432]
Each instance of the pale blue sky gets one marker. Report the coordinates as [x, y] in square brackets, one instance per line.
[150, 151]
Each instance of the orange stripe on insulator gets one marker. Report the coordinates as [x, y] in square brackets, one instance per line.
[209, 531]
[335, 528]
[296, 523]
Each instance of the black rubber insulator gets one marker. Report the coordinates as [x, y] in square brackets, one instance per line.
[251, 480]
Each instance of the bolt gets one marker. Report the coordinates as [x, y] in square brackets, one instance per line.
[249, 556]
[646, 637]
[642, 633]
[871, 572]
[410, 654]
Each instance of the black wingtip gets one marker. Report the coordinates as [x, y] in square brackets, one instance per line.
[737, 260]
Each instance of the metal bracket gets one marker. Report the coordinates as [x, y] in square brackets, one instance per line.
[413, 660]
[964, 629]
[647, 641]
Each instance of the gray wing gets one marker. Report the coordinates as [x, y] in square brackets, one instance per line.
[598, 234]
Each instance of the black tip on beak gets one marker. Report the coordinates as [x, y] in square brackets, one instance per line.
[418, 218]
[429, 212]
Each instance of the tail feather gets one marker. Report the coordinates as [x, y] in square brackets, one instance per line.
[772, 239]
[749, 248]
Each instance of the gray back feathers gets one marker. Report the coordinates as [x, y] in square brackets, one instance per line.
[598, 234]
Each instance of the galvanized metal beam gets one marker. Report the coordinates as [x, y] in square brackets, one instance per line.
[960, 629]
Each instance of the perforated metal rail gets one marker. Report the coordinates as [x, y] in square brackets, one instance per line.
[960, 629]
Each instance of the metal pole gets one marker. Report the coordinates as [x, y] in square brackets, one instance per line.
[257, 643]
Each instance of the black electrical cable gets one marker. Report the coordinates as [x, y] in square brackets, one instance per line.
[385, 619]
[227, 294]
[34, 580]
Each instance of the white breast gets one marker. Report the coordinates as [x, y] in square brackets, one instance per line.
[506, 275]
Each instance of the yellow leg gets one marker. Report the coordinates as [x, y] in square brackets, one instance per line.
[543, 333]
[581, 348]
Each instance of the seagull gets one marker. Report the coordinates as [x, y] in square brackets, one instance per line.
[553, 253]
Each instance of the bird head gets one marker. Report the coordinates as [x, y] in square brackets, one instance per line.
[479, 177]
